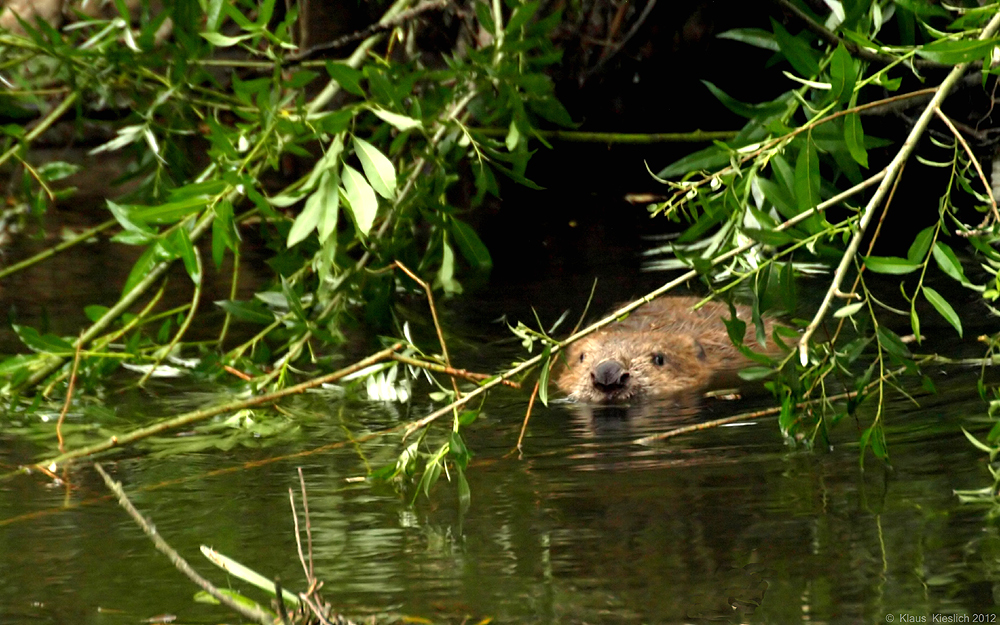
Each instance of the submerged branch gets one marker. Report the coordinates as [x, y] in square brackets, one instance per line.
[205, 413]
[253, 613]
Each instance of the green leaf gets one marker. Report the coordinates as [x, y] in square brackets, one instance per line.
[331, 206]
[948, 262]
[378, 169]
[446, 274]
[752, 36]
[464, 492]
[710, 158]
[430, 477]
[807, 177]
[401, 123]
[843, 74]
[921, 244]
[44, 344]
[891, 342]
[308, 219]
[252, 311]
[764, 109]
[778, 195]
[799, 53]
[854, 138]
[951, 52]
[944, 308]
[142, 267]
[890, 264]
[179, 244]
[543, 377]
[471, 246]
[247, 574]
[753, 374]
[222, 41]
[976, 443]
[125, 219]
[850, 309]
[521, 16]
[361, 200]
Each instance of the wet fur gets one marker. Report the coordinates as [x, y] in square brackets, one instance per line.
[662, 348]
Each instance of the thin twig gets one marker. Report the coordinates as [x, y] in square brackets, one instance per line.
[254, 613]
[298, 534]
[460, 373]
[52, 251]
[310, 576]
[434, 316]
[975, 162]
[69, 400]
[374, 29]
[192, 311]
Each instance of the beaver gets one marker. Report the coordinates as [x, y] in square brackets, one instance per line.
[662, 348]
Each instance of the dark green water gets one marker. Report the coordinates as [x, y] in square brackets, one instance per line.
[584, 527]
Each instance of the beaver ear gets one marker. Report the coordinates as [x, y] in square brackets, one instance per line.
[701, 351]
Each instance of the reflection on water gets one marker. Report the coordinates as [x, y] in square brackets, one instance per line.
[584, 527]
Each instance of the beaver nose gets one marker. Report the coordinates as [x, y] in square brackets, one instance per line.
[609, 375]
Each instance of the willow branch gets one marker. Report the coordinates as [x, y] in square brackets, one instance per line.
[891, 172]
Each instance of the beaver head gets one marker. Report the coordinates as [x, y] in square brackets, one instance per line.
[618, 365]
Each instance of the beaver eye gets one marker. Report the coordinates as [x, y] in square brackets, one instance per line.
[659, 359]
[583, 357]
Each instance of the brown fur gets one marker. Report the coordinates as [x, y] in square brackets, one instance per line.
[662, 348]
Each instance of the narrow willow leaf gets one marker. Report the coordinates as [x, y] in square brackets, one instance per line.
[521, 16]
[921, 244]
[401, 123]
[709, 158]
[843, 74]
[125, 219]
[890, 264]
[308, 219]
[744, 109]
[948, 262]
[943, 307]
[976, 443]
[184, 248]
[890, 342]
[751, 36]
[953, 52]
[222, 41]
[378, 169]
[346, 76]
[471, 246]
[543, 378]
[915, 321]
[850, 309]
[46, 344]
[795, 48]
[246, 574]
[360, 198]
[331, 209]
[431, 474]
[854, 137]
[446, 274]
[464, 492]
[807, 177]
